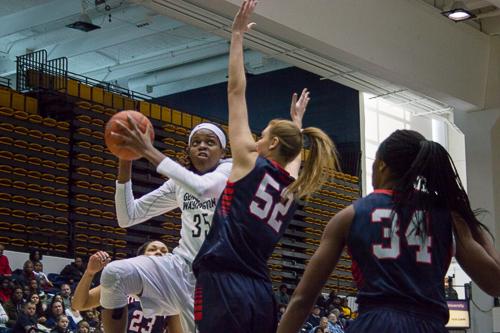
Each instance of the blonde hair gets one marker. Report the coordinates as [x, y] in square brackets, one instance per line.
[322, 154]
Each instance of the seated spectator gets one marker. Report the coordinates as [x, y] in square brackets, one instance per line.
[73, 272]
[344, 307]
[36, 255]
[318, 330]
[62, 325]
[333, 325]
[341, 321]
[3, 319]
[41, 277]
[323, 325]
[83, 327]
[14, 306]
[5, 289]
[449, 292]
[40, 310]
[55, 310]
[73, 313]
[92, 318]
[66, 295]
[27, 321]
[26, 293]
[282, 297]
[281, 311]
[314, 317]
[5, 269]
[25, 275]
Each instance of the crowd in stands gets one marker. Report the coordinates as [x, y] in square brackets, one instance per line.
[331, 314]
[32, 301]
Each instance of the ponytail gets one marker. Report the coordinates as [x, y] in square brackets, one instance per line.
[426, 176]
[322, 156]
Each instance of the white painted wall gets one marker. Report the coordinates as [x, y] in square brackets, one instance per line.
[51, 264]
[482, 141]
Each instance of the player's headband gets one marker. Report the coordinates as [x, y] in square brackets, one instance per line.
[217, 131]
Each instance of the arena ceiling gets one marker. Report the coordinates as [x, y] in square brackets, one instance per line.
[147, 46]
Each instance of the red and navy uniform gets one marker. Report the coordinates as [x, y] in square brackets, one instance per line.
[234, 291]
[399, 268]
[137, 323]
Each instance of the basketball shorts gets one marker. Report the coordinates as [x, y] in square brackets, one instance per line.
[233, 302]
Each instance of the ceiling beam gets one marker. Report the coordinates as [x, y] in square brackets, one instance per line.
[165, 58]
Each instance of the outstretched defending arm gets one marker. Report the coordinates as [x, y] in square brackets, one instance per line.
[297, 110]
[242, 143]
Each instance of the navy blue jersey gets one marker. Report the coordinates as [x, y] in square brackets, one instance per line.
[249, 220]
[393, 262]
[137, 323]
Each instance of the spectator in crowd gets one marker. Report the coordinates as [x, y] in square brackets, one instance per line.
[333, 324]
[73, 272]
[5, 289]
[323, 324]
[25, 275]
[36, 255]
[27, 321]
[34, 287]
[282, 296]
[14, 306]
[344, 307]
[39, 308]
[3, 319]
[449, 292]
[341, 321]
[66, 295]
[5, 269]
[73, 313]
[318, 330]
[314, 317]
[41, 277]
[83, 327]
[62, 325]
[92, 318]
[281, 310]
[57, 309]
[26, 293]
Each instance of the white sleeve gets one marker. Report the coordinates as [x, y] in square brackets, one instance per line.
[130, 211]
[207, 185]
[4, 318]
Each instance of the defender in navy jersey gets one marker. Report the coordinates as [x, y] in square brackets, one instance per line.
[385, 243]
[233, 289]
[401, 241]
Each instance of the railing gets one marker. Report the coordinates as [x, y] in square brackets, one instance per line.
[109, 87]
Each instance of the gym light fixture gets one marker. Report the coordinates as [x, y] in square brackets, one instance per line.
[458, 12]
[83, 23]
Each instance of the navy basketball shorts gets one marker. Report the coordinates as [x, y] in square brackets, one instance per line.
[392, 320]
[232, 302]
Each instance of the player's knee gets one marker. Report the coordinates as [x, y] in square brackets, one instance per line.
[111, 275]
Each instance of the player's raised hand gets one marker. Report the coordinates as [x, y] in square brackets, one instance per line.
[97, 261]
[298, 107]
[241, 21]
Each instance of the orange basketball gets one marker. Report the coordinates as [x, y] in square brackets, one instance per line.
[112, 126]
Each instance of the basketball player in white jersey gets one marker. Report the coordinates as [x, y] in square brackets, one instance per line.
[165, 284]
